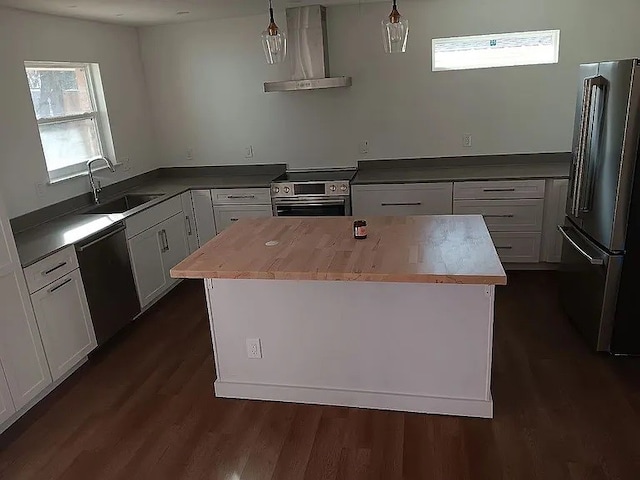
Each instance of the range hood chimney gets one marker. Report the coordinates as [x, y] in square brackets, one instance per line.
[308, 52]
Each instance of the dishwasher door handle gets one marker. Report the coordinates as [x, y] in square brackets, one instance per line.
[82, 248]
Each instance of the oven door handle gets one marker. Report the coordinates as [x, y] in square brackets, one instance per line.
[307, 203]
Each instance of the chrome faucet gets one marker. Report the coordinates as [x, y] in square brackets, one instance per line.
[95, 184]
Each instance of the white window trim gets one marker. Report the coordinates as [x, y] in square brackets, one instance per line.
[78, 169]
[555, 60]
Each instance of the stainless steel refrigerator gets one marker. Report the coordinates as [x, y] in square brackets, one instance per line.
[600, 269]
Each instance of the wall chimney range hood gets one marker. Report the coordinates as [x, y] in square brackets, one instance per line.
[308, 52]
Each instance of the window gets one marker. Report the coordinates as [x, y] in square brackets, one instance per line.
[65, 104]
[499, 50]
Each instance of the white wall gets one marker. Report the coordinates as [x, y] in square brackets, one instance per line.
[206, 80]
[27, 36]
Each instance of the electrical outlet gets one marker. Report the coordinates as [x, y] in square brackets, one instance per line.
[248, 151]
[254, 349]
[189, 154]
[127, 164]
[364, 147]
[467, 140]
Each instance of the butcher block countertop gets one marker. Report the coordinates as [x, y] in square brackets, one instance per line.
[419, 249]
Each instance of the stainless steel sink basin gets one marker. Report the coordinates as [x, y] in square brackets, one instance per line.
[124, 203]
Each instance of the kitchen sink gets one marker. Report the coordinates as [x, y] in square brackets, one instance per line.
[124, 203]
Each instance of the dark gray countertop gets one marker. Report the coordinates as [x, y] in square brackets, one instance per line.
[37, 243]
[503, 167]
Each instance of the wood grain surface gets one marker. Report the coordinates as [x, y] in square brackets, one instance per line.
[144, 409]
[419, 249]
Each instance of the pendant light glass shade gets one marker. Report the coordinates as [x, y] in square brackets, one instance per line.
[274, 42]
[395, 32]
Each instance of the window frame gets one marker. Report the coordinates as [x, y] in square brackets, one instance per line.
[490, 36]
[79, 168]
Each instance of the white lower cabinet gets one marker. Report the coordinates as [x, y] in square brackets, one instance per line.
[154, 253]
[176, 246]
[226, 215]
[146, 259]
[517, 247]
[189, 221]
[554, 213]
[65, 324]
[203, 211]
[24, 365]
[6, 403]
[402, 199]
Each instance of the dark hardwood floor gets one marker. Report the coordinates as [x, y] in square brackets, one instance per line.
[144, 409]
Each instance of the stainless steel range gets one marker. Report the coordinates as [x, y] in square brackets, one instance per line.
[317, 193]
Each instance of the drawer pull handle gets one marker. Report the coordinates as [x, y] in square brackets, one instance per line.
[234, 219]
[498, 189]
[498, 216]
[51, 270]
[240, 197]
[189, 229]
[411, 204]
[506, 247]
[58, 287]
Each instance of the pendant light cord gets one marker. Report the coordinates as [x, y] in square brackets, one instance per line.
[271, 12]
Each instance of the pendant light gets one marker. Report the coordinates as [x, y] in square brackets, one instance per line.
[274, 41]
[395, 32]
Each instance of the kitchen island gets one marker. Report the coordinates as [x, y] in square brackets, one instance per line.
[402, 320]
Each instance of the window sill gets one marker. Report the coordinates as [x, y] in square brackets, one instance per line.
[80, 174]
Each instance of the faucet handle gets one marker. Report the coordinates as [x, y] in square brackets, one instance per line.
[98, 186]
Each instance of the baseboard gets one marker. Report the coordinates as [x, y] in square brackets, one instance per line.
[50, 388]
[531, 266]
[355, 398]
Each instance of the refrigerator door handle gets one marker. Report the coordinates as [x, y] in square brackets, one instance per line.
[587, 106]
[592, 260]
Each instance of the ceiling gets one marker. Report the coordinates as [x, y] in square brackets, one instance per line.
[155, 12]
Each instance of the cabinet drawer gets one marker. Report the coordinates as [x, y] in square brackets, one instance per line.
[50, 269]
[228, 214]
[505, 215]
[153, 216]
[413, 199]
[239, 196]
[515, 247]
[498, 189]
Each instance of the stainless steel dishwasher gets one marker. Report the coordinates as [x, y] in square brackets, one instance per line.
[108, 281]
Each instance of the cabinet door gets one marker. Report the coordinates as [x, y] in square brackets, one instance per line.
[189, 221]
[21, 351]
[176, 247]
[146, 260]
[203, 209]
[554, 213]
[403, 199]
[6, 404]
[228, 214]
[65, 324]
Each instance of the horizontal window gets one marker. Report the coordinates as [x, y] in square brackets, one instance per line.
[64, 102]
[498, 50]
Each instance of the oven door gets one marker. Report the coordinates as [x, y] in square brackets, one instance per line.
[321, 207]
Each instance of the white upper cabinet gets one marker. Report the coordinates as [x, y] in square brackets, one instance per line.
[6, 404]
[21, 352]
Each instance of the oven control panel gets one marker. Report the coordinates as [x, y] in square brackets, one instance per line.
[310, 189]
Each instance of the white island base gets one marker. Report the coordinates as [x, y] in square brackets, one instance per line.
[416, 347]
